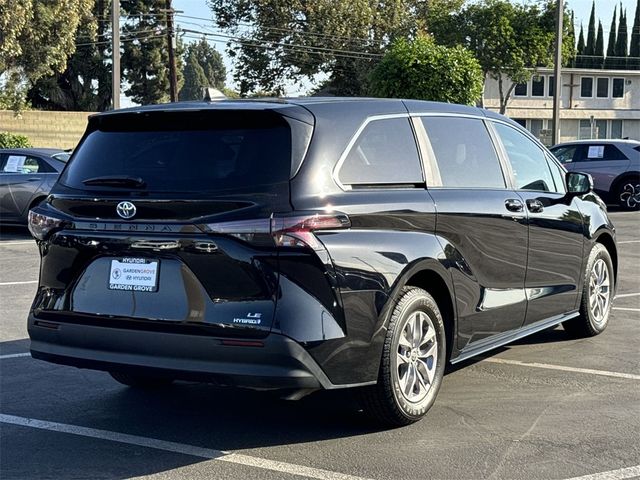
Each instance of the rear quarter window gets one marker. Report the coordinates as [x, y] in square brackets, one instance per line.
[385, 152]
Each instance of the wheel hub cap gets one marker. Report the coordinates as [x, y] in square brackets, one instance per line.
[417, 357]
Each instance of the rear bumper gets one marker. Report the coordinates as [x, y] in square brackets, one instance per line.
[280, 363]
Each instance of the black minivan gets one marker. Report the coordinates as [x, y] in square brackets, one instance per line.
[317, 243]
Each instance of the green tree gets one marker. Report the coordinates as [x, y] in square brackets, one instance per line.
[36, 39]
[609, 62]
[580, 49]
[298, 40]
[634, 49]
[145, 60]
[195, 80]
[622, 41]
[423, 70]
[598, 60]
[590, 48]
[571, 40]
[204, 67]
[85, 85]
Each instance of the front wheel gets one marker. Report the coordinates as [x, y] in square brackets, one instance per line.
[413, 361]
[597, 295]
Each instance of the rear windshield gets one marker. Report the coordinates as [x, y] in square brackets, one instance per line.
[183, 151]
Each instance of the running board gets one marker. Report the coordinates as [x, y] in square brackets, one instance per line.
[507, 337]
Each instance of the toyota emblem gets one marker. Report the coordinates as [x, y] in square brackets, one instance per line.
[126, 209]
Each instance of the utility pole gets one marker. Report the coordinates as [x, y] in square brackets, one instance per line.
[173, 77]
[557, 73]
[115, 49]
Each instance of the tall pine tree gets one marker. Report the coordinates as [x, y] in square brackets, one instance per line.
[580, 49]
[622, 41]
[610, 61]
[571, 35]
[634, 50]
[598, 60]
[590, 49]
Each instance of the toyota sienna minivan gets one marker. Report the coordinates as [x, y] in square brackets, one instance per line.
[307, 244]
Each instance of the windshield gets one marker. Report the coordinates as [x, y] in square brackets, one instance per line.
[185, 155]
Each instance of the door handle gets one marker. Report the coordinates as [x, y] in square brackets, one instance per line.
[535, 206]
[32, 179]
[513, 205]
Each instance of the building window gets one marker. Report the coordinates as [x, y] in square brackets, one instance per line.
[520, 121]
[584, 131]
[618, 88]
[552, 85]
[537, 86]
[601, 129]
[586, 87]
[521, 90]
[535, 127]
[616, 128]
[602, 87]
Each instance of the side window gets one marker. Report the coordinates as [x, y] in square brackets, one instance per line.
[598, 153]
[528, 161]
[464, 152]
[384, 153]
[565, 154]
[558, 175]
[24, 164]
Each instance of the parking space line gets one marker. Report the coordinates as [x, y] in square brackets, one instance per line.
[181, 448]
[21, 242]
[624, 295]
[28, 282]
[15, 355]
[620, 474]
[629, 241]
[626, 309]
[605, 373]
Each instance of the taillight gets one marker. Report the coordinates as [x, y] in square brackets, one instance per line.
[41, 225]
[281, 230]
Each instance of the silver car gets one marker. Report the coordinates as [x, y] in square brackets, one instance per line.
[26, 177]
[613, 164]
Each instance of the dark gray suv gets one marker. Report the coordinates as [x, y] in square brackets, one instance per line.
[613, 164]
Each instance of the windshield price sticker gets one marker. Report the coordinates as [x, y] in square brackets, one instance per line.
[134, 274]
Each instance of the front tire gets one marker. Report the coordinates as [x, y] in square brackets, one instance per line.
[597, 295]
[413, 361]
[143, 382]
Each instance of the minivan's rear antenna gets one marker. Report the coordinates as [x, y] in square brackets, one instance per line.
[211, 94]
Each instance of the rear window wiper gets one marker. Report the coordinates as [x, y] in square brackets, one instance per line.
[116, 181]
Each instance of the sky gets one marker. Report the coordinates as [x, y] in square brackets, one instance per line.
[582, 9]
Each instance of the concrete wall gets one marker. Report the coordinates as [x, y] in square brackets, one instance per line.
[46, 129]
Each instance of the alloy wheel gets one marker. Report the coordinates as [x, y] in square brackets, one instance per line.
[630, 195]
[417, 357]
[599, 291]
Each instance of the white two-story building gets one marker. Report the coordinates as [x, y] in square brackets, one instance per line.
[594, 103]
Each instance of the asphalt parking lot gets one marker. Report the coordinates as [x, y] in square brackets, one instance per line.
[545, 407]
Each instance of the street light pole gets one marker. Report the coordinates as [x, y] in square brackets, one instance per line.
[557, 73]
[115, 51]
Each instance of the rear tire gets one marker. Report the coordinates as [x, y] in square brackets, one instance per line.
[597, 295]
[627, 193]
[141, 381]
[413, 361]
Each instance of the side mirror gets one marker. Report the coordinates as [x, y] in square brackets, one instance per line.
[579, 183]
